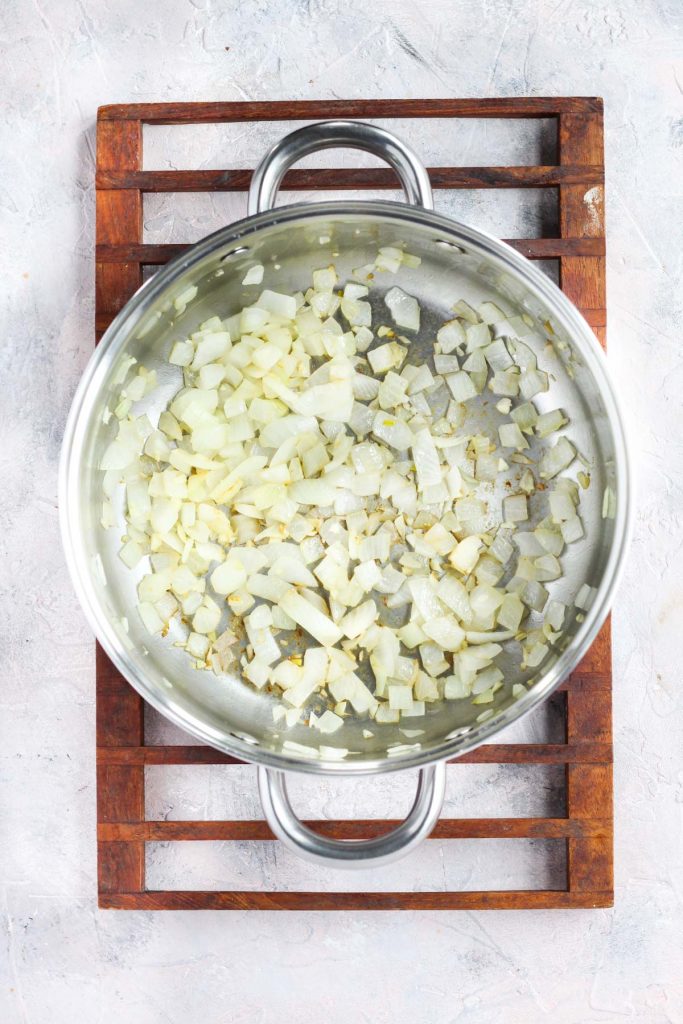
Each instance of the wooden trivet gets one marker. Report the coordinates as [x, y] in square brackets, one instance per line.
[587, 828]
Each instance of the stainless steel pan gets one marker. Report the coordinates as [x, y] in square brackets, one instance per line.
[457, 261]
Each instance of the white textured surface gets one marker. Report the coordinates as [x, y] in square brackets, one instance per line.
[58, 955]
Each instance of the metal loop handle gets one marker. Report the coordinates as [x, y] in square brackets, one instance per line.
[352, 853]
[334, 135]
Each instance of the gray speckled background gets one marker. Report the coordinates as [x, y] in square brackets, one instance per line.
[59, 956]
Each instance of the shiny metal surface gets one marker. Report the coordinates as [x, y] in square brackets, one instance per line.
[457, 261]
[335, 135]
[353, 853]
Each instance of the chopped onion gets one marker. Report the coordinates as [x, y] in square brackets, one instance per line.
[585, 597]
[310, 474]
[403, 308]
[515, 508]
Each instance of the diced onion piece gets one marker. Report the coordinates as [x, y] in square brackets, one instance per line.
[329, 722]
[131, 553]
[532, 382]
[548, 422]
[392, 430]
[466, 554]
[207, 617]
[426, 458]
[322, 628]
[150, 617]
[510, 613]
[609, 503]
[515, 508]
[197, 645]
[555, 614]
[555, 459]
[359, 619]
[478, 335]
[400, 697]
[460, 386]
[185, 298]
[276, 302]
[512, 437]
[404, 309]
[534, 595]
[491, 313]
[561, 506]
[254, 275]
[585, 597]
[228, 577]
[505, 382]
[444, 631]
[209, 348]
[451, 336]
[386, 357]
[572, 529]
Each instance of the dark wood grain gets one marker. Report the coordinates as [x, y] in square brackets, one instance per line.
[120, 787]
[118, 214]
[446, 828]
[532, 248]
[583, 278]
[497, 753]
[589, 788]
[316, 110]
[586, 679]
[306, 179]
[590, 860]
[586, 696]
[597, 660]
[250, 899]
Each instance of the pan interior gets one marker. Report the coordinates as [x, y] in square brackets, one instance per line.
[456, 264]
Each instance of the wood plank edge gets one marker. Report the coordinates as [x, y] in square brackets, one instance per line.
[285, 110]
[446, 828]
[238, 179]
[588, 752]
[518, 899]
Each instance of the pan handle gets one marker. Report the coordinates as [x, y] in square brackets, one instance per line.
[352, 853]
[335, 135]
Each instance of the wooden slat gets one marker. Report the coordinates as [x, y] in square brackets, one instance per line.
[586, 679]
[492, 753]
[553, 248]
[446, 828]
[582, 278]
[596, 318]
[250, 899]
[589, 787]
[590, 861]
[319, 110]
[306, 179]
[597, 662]
[532, 248]
[118, 215]
[120, 786]
[149, 255]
